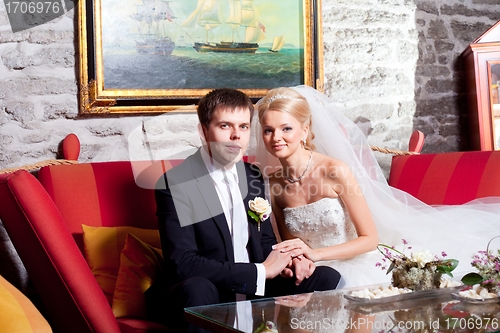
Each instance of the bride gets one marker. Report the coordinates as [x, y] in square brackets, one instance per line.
[332, 203]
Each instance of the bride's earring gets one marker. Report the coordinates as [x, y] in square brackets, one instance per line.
[304, 141]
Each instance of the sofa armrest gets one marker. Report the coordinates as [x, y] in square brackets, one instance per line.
[52, 257]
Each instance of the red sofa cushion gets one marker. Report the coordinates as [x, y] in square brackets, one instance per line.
[99, 194]
[104, 194]
[447, 178]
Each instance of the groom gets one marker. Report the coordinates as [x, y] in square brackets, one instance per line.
[213, 250]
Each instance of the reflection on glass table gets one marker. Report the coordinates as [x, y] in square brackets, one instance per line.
[330, 311]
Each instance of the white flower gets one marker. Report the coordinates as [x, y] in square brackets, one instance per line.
[260, 210]
[261, 207]
[422, 257]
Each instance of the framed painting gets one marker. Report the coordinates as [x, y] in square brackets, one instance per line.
[150, 56]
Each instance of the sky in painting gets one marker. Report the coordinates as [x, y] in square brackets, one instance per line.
[279, 17]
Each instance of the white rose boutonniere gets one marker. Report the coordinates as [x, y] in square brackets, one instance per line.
[260, 210]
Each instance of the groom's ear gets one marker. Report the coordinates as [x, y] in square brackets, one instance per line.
[201, 132]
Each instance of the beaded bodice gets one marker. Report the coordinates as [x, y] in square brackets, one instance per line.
[321, 223]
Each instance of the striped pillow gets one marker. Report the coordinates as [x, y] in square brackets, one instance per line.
[17, 313]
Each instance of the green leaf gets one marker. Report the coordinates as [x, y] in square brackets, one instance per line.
[471, 279]
[391, 267]
[448, 266]
[390, 248]
[444, 272]
[454, 263]
[253, 215]
[261, 327]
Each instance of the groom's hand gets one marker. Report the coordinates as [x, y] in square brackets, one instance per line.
[287, 272]
[298, 247]
[303, 269]
[276, 262]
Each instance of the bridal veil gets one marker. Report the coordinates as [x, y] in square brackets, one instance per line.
[460, 231]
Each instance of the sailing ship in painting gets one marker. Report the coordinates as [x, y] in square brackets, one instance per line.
[278, 43]
[153, 17]
[241, 18]
[181, 42]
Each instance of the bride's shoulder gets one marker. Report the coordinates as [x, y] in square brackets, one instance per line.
[330, 165]
[327, 161]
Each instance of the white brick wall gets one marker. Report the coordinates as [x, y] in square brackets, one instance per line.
[389, 65]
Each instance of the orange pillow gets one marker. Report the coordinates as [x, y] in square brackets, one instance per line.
[102, 248]
[140, 265]
[17, 313]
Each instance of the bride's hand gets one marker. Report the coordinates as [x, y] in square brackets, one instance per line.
[296, 301]
[298, 247]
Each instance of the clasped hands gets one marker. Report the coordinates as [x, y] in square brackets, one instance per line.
[288, 260]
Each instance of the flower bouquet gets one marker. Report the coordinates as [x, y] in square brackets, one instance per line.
[488, 266]
[420, 271]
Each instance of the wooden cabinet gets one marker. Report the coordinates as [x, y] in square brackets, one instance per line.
[482, 72]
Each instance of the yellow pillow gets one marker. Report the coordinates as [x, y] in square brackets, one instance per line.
[140, 265]
[17, 313]
[102, 247]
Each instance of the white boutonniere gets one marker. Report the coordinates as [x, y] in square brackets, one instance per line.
[260, 210]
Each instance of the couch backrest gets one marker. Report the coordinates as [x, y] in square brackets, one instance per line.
[105, 194]
[447, 178]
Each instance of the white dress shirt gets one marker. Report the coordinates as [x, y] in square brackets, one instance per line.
[239, 231]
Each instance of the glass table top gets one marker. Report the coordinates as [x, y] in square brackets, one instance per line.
[331, 311]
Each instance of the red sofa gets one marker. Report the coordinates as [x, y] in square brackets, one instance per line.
[447, 178]
[43, 216]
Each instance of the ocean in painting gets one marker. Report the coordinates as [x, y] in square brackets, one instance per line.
[125, 68]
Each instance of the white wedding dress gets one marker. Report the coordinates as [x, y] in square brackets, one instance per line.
[460, 231]
[325, 223]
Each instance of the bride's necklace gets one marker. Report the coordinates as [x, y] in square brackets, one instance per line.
[293, 180]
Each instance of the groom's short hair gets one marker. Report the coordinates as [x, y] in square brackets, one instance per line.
[222, 98]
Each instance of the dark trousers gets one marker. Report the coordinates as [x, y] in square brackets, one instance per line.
[166, 305]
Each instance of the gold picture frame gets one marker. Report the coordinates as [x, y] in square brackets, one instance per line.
[146, 56]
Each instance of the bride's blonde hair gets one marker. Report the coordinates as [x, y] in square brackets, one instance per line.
[289, 101]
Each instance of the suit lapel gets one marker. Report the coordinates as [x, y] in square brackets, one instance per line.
[247, 195]
[244, 189]
[208, 192]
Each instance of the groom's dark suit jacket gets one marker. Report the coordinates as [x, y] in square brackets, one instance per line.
[194, 232]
